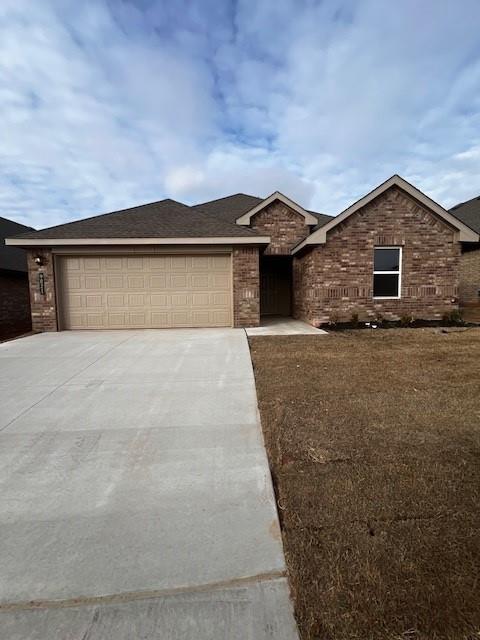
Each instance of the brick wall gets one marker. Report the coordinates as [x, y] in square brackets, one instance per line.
[246, 287]
[470, 277]
[44, 310]
[285, 227]
[14, 303]
[335, 280]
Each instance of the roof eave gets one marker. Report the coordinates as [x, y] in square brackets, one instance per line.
[55, 242]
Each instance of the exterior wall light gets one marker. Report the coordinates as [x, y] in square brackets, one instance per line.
[38, 260]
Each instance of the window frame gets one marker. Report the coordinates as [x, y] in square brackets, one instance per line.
[386, 273]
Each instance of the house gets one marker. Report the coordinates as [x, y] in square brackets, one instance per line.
[393, 253]
[14, 294]
[469, 213]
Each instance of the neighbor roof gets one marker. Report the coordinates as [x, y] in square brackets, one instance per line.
[11, 258]
[469, 213]
[163, 219]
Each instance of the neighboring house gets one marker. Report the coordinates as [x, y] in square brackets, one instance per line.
[14, 294]
[469, 213]
[393, 253]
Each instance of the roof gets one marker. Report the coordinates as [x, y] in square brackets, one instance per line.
[157, 222]
[466, 234]
[229, 208]
[233, 207]
[163, 219]
[469, 213]
[11, 258]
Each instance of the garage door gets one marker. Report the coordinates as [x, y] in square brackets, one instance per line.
[156, 291]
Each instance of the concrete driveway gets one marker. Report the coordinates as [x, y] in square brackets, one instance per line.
[135, 496]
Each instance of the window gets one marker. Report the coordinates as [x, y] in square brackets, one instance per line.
[387, 269]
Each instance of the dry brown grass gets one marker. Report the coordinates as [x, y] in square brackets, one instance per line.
[374, 445]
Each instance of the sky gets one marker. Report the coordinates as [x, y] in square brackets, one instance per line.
[106, 104]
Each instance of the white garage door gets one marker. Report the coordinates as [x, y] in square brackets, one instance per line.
[151, 291]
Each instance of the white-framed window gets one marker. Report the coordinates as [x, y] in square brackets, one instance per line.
[387, 272]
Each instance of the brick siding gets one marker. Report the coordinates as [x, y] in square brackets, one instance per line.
[44, 309]
[284, 226]
[470, 277]
[246, 287]
[14, 303]
[335, 280]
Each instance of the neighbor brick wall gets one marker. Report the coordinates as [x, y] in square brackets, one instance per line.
[470, 277]
[335, 280]
[284, 226]
[14, 303]
[246, 287]
[44, 311]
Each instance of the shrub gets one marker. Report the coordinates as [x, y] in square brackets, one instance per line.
[333, 320]
[354, 319]
[406, 320]
[454, 317]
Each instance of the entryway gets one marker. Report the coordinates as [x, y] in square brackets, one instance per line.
[276, 286]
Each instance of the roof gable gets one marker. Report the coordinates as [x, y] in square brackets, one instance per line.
[466, 234]
[309, 218]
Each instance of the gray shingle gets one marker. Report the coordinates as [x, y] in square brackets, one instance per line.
[11, 258]
[163, 219]
[468, 213]
[232, 207]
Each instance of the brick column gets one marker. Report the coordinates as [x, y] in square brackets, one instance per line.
[246, 287]
[43, 305]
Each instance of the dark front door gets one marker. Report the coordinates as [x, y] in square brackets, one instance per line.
[276, 286]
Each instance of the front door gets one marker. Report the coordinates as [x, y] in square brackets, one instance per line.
[275, 286]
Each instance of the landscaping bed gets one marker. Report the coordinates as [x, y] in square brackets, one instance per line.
[373, 439]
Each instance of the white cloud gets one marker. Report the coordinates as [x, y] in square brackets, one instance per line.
[105, 105]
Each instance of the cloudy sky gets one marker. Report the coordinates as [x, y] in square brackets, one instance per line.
[110, 103]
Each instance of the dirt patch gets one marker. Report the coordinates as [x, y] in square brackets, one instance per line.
[374, 444]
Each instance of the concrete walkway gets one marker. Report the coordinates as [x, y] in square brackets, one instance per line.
[284, 327]
[135, 496]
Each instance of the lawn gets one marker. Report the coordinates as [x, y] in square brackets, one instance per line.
[373, 439]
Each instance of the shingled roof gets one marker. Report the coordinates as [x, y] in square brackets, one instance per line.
[232, 207]
[469, 213]
[163, 219]
[11, 258]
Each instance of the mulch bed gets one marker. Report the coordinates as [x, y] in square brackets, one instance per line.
[374, 445]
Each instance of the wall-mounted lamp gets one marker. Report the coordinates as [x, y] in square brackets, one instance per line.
[38, 260]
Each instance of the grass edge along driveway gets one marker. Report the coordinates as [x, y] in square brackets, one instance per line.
[373, 440]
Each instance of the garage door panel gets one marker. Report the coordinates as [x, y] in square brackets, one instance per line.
[116, 300]
[136, 282]
[179, 300]
[200, 281]
[117, 320]
[178, 263]
[115, 282]
[101, 292]
[158, 263]
[91, 264]
[219, 263]
[158, 300]
[158, 281]
[113, 264]
[135, 264]
[94, 302]
[93, 282]
[219, 318]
